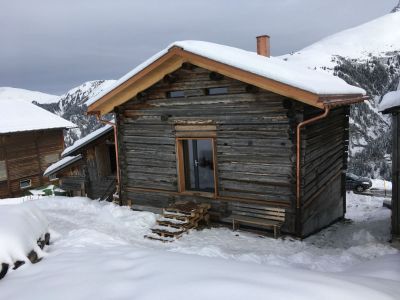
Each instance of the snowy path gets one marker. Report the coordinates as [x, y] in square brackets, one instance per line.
[99, 252]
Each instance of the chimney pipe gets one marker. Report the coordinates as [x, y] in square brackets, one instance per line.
[263, 45]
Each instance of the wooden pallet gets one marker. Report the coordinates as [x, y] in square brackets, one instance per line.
[178, 219]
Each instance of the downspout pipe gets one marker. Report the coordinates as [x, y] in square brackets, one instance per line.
[114, 125]
[298, 157]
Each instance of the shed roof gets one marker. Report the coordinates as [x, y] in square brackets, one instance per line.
[61, 164]
[274, 74]
[79, 144]
[18, 115]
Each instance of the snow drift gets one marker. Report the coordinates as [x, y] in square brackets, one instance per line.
[21, 226]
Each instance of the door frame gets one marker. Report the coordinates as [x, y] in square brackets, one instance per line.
[181, 166]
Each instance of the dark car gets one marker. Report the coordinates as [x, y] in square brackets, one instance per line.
[357, 183]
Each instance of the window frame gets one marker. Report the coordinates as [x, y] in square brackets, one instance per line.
[180, 160]
[26, 187]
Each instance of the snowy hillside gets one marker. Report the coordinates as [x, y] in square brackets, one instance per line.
[71, 106]
[21, 94]
[380, 37]
[367, 56]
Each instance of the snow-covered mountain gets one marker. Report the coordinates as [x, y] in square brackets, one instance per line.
[71, 106]
[367, 56]
[14, 93]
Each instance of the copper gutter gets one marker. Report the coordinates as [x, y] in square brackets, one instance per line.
[114, 125]
[298, 171]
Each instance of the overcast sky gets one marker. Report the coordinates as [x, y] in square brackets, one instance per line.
[53, 46]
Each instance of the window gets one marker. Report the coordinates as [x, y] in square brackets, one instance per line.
[3, 170]
[51, 158]
[53, 177]
[176, 94]
[26, 183]
[198, 164]
[217, 91]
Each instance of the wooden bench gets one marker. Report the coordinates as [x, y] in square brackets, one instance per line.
[265, 216]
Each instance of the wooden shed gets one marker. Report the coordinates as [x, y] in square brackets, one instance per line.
[31, 139]
[259, 139]
[88, 167]
[391, 105]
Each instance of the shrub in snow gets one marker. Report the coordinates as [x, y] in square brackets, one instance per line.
[21, 227]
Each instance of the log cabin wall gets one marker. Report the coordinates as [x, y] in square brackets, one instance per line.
[324, 150]
[255, 150]
[25, 156]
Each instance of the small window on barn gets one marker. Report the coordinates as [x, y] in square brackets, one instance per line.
[24, 184]
[53, 177]
[175, 94]
[217, 91]
[51, 158]
[3, 170]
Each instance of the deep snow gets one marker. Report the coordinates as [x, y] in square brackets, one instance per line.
[20, 228]
[99, 252]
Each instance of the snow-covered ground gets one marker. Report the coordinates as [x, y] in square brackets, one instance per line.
[98, 252]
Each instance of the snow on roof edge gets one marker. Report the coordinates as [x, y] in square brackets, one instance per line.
[62, 163]
[390, 101]
[86, 140]
[18, 115]
[194, 47]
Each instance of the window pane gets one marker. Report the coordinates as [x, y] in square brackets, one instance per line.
[199, 165]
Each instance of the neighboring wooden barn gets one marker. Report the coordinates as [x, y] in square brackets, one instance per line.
[391, 105]
[88, 167]
[264, 142]
[31, 139]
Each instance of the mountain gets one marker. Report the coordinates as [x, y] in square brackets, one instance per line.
[14, 93]
[367, 56]
[71, 106]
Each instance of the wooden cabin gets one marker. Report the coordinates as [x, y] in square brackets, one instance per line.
[31, 139]
[262, 141]
[88, 167]
[390, 104]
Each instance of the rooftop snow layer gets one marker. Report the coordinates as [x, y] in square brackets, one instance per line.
[390, 100]
[269, 67]
[62, 163]
[15, 93]
[21, 225]
[19, 115]
[87, 139]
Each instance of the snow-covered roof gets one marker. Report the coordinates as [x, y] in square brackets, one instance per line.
[268, 67]
[27, 95]
[61, 164]
[390, 100]
[19, 115]
[87, 139]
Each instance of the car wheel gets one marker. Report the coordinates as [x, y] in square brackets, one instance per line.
[359, 189]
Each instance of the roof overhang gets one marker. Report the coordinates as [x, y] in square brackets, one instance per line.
[63, 166]
[176, 56]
